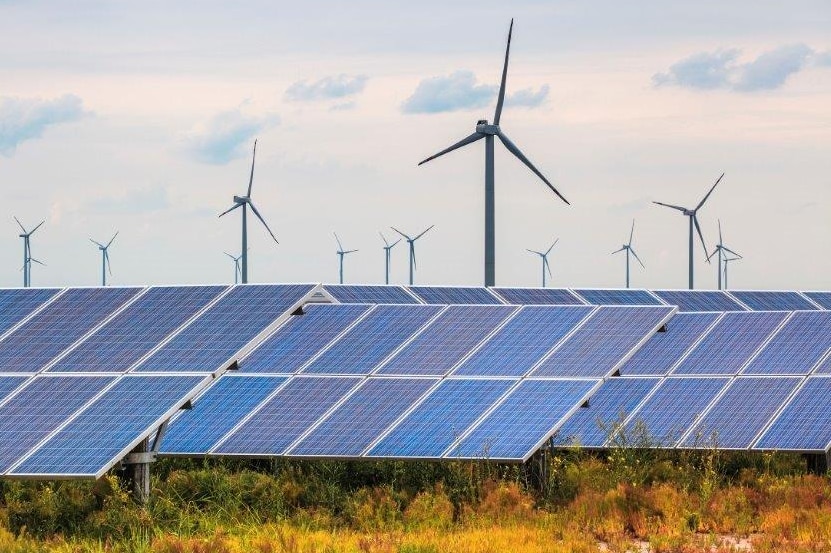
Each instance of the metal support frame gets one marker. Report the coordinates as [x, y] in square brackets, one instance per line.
[137, 463]
[818, 463]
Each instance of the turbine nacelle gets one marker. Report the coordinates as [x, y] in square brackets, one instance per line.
[242, 200]
[482, 127]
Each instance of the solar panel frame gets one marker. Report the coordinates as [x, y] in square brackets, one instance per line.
[618, 296]
[773, 300]
[538, 296]
[461, 295]
[699, 301]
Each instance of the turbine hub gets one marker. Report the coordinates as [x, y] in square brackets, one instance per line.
[241, 199]
[484, 128]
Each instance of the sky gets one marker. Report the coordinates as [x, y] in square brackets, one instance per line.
[140, 118]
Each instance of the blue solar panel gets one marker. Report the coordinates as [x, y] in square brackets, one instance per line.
[216, 412]
[59, 325]
[803, 425]
[664, 349]
[607, 409]
[17, 303]
[40, 408]
[286, 416]
[759, 300]
[797, 347]
[731, 342]
[302, 337]
[820, 298]
[825, 366]
[137, 329]
[370, 294]
[742, 412]
[356, 423]
[112, 424]
[603, 341]
[9, 384]
[674, 406]
[439, 295]
[618, 297]
[228, 325]
[373, 339]
[523, 341]
[449, 338]
[521, 423]
[699, 300]
[441, 418]
[538, 296]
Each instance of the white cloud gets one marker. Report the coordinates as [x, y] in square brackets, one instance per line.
[453, 92]
[327, 88]
[23, 119]
[225, 136]
[528, 98]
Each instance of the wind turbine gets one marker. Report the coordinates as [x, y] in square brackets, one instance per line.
[105, 258]
[628, 249]
[720, 249]
[245, 202]
[411, 243]
[488, 131]
[544, 256]
[726, 261]
[236, 266]
[341, 254]
[692, 214]
[27, 252]
[387, 255]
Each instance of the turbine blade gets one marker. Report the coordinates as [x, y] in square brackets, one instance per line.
[37, 261]
[720, 239]
[534, 251]
[547, 266]
[552, 246]
[708, 193]
[501, 99]
[384, 238]
[424, 232]
[99, 244]
[632, 232]
[715, 251]
[107, 261]
[520, 156]
[618, 251]
[340, 247]
[638, 258]
[731, 251]
[350, 251]
[679, 208]
[700, 235]
[37, 227]
[251, 179]
[394, 243]
[463, 142]
[260, 217]
[111, 239]
[412, 252]
[401, 233]
[20, 224]
[230, 209]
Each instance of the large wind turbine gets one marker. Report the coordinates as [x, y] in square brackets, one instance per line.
[726, 261]
[341, 254]
[245, 202]
[488, 131]
[387, 255]
[236, 266]
[27, 252]
[720, 249]
[692, 214]
[105, 258]
[411, 243]
[544, 256]
[628, 249]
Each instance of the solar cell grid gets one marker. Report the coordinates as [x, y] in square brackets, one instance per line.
[820, 298]
[442, 295]
[699, 300]
[802, 425]
[370, 294]
[9, 384]
[17, 303]
[763, 300]
[538, 296]
[661, 352]
[797, 347]
[617, 297]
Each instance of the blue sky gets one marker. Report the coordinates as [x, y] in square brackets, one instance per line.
[141, 118]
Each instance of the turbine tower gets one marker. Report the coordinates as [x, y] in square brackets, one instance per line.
[722, 257]
[411, 244]
[692, 214]
[488, 132]
[105, 258]
[341, 254]
[628, 249]
[387, 255]
[26, 235]
[245, 202]
[236, 266]
[726, 261]
[544, 256]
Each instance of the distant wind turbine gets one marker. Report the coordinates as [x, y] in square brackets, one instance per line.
[488, 131]
[726, 261]
[722, 257]
[387, 255]
[411, 244]
[27, 252]
[692, 214]
[236, 266]
[105, 258]
[544, 256]
[628, 249]
[245, 202]
[341, 254]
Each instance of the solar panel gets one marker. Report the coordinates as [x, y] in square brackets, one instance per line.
[538, 296]
[9, 384]
[286, 416]
[428, 430]
[442, 295]
[524, 420]
[820, 298]
[355, 424]
[797, 347]
[370, 294]
[373, 339]
[225, 328]
[803, 425]
[59, 325]
[608, 407]
[37, 410]
[658, 355]
[603, 341]
[301, 338]
[216, 412]
[825, 366]
[699, 300]
[110, 426]
[523, 341]
[447, 339]
[17, 303]
[677, 402]
[761, 300]
[742, 412]
[137, 329]
[617, 297]
[731, 342]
